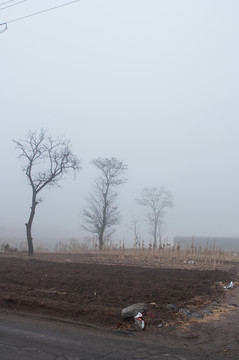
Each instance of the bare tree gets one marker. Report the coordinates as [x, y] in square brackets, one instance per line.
[134, 227]
[156, 200]
[46, 161]
[102, 211]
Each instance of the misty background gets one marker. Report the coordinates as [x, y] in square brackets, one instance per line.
[153, 83]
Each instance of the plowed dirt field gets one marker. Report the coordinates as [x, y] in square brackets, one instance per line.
[96, 293]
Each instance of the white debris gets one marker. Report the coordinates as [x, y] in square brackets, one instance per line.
[139, 321]
[229, 286]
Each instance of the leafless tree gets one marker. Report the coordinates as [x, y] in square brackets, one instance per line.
[46, 161]
[134, 227]
[156, 200]
[102, 212]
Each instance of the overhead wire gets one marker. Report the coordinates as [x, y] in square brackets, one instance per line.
[4, 25]
[6, 2]
[8, 6]
[42, 11]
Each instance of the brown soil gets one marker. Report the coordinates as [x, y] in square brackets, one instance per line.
[96, 293]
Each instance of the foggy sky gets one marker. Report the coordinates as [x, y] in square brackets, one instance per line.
[153, 83]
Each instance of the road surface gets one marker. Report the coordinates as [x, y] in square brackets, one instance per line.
[24, 337]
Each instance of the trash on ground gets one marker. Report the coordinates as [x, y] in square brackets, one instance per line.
[139, 320]
[229, 286]
[132, 310]
[189, 262]
[160, 326]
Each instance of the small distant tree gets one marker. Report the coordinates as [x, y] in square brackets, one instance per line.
[134, 227]
[102, 211]
[46, 161]
[156, 200]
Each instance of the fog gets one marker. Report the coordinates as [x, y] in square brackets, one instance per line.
[153, 83]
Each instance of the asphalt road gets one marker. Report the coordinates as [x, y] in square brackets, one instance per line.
[26, 337]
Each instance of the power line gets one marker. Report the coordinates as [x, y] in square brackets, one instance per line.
[40, 12]
[19, 2]
[3, 26]
[6, 2]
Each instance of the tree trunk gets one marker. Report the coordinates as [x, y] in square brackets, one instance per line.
[104, 220]
[155, 225]
[29, 240]
[101, 242]
[29, 226]
[155, 236]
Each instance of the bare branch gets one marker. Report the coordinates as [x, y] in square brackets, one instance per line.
[102, 214]
[46, 160]
[156, 200]
[134, 227]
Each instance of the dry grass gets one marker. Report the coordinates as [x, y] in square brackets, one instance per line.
[165, 256]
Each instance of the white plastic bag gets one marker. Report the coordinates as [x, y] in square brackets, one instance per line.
[139, 321]
[229, 286]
